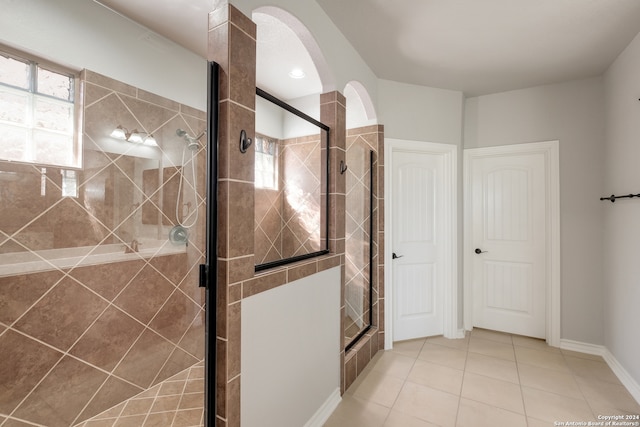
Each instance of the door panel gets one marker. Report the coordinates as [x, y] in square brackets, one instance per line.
[415, 290]
[509, 286]
[417, 223]
[509, 227]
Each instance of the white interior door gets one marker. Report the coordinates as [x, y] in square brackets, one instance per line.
[417, 242]
[509, 235]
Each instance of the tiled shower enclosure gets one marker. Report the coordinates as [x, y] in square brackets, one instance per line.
[96, 304]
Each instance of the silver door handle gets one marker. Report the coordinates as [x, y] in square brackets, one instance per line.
[394, 256]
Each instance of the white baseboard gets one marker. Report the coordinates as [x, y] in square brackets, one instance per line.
[582, 347]
[324, 412]
[599, 350]
[622, 374]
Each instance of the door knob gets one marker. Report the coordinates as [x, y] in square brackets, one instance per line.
[479, 251]
[394, 256]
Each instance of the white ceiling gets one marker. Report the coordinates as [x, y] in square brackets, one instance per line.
[486, 46]
[473, 46]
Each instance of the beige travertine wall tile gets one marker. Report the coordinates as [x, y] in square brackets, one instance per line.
[242, 21]
[58, 399]
[240, 269]
[222, 378]
[350, 370]
[56, 319]
[178, 361]
[328, 262]
[300, 271]
[192, 341]
[235, 293]
[240, 220]
[218, 51]
[195, 113]
[263, 283]
[18, 293]
[25, 363]
[112, 392]
[234, 348]
[242, 72]
[154, 99]
[141, 365]
[109, 83]
[108, 339]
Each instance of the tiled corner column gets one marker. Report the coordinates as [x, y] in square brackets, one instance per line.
[333, 114]
[360, 355]
[232, 44]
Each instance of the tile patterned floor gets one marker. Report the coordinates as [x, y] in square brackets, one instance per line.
[176, 402]
[488, 379]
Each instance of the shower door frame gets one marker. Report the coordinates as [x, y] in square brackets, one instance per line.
[209, 270]
[364, 331]
[323, 251]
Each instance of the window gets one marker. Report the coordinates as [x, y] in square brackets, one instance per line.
[37, 113]
[266, 172]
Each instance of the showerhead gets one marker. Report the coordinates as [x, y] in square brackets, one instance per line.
[192, 143]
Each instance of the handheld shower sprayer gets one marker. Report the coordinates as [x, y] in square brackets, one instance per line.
[179, 233]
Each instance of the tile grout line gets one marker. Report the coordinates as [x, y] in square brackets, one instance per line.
[404, 381]
[515, 359]
[464, 373]
[574, 376]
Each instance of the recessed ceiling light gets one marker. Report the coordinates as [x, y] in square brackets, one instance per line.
[297, 73]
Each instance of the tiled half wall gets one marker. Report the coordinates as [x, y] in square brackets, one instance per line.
[86, 321]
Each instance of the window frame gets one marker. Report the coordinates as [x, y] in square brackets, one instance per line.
[275, 161]
[34, 62]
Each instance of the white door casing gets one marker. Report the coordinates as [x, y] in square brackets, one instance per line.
[420, 227]
[512, 215]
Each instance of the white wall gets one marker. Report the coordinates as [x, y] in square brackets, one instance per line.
[622, 219]
[572, 113]
[84, 34]
[290, 351]
[419, 113]
[269, 118]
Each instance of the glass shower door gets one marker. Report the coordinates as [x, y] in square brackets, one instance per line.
[358, 254]
[101, 313]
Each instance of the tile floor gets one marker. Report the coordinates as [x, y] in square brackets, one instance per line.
[176, 402]
[487, 379]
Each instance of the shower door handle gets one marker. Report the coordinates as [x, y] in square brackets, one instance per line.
[202, 277]
[394, 256]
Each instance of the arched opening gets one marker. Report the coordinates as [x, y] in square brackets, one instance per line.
[360, 109]
[289, 61]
